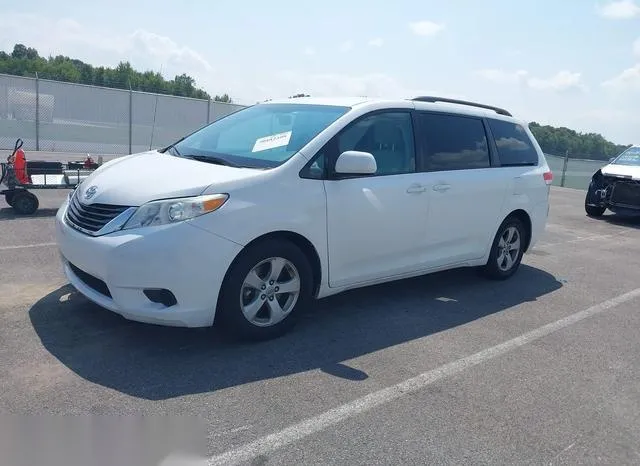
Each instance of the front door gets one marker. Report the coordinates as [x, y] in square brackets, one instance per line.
[376, 224]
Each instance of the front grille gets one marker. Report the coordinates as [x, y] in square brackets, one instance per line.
[93, 217]
[91, 281]
[611, 179]
[626, 193]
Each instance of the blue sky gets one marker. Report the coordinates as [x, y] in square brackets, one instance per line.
[574, 63]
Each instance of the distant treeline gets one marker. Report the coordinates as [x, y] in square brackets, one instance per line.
[25, 61]
[557, 141]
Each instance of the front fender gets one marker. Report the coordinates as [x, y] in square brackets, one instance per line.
[596, 185]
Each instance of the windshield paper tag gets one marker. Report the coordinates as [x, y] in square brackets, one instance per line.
[271, 142]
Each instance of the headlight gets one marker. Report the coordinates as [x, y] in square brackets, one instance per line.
[174, 210]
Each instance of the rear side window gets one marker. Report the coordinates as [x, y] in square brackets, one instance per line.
[452, 142]
[514, 145]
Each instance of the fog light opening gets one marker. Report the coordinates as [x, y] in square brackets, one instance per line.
[161, 296]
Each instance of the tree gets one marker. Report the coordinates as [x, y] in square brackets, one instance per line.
[557, 141]
[25, 61]
[20, 51]
[223, 98]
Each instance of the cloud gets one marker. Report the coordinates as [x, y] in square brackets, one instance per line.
[309, 51]
[502, 76]
[636, 47]
[339, 84]
[377, 42]
[426, 28]
[604, 115]
[628, 80]
[144, 49]
[561, 81]
[60, 36]
[162, 49]
[622, 9]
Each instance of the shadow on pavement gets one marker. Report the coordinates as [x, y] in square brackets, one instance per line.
[623, 220]
[156, 363]
[10, 214]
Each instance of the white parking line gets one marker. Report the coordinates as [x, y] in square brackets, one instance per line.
[318, 423]
[585, 238]
[27, 246]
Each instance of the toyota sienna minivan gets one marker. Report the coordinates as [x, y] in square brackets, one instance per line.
[244, 221]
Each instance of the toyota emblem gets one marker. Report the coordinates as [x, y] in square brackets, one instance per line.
[90, 192]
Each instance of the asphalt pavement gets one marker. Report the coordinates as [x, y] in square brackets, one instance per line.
[447, 368]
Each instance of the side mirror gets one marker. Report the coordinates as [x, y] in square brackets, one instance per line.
[611, 159]
[353, 162]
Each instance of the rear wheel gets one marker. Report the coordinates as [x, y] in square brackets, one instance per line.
[25, 203]
[507, 250]
[264, 291]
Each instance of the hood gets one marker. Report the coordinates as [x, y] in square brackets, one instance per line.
[135, 179]
[622, 170]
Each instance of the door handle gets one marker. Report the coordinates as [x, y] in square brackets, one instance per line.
[416, 188]
[441, 187]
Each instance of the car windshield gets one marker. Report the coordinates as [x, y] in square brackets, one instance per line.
[260, 136]
[631, 156]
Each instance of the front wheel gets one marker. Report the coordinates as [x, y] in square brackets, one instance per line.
[589, 200]
[264, 291]
[507, 250]
[593, 210]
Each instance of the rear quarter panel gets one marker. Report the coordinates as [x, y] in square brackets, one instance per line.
[528, 191]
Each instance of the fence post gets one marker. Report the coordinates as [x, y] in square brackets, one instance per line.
[564, 167]
[130, 118]
[208, 110]
[37, 112]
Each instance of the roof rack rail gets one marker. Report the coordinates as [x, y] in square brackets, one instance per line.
[432, 99]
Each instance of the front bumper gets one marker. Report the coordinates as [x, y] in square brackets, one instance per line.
[114, 270]
[617, 194]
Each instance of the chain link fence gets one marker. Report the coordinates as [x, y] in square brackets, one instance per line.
[575, 173]
[64, 117]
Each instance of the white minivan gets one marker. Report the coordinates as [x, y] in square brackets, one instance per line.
[247, 219]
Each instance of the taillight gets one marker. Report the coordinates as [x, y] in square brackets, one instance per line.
[548, 177]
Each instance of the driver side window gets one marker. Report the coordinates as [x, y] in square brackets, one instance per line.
[387, 136]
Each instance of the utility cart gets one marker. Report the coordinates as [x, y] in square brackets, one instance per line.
[18, 177]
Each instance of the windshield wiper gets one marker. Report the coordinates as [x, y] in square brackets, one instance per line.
[172, 146]
[211, 159]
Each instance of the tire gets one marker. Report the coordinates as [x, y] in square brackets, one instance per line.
[25, 203]
[498, 270]
[592, 210]
[230, 316]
